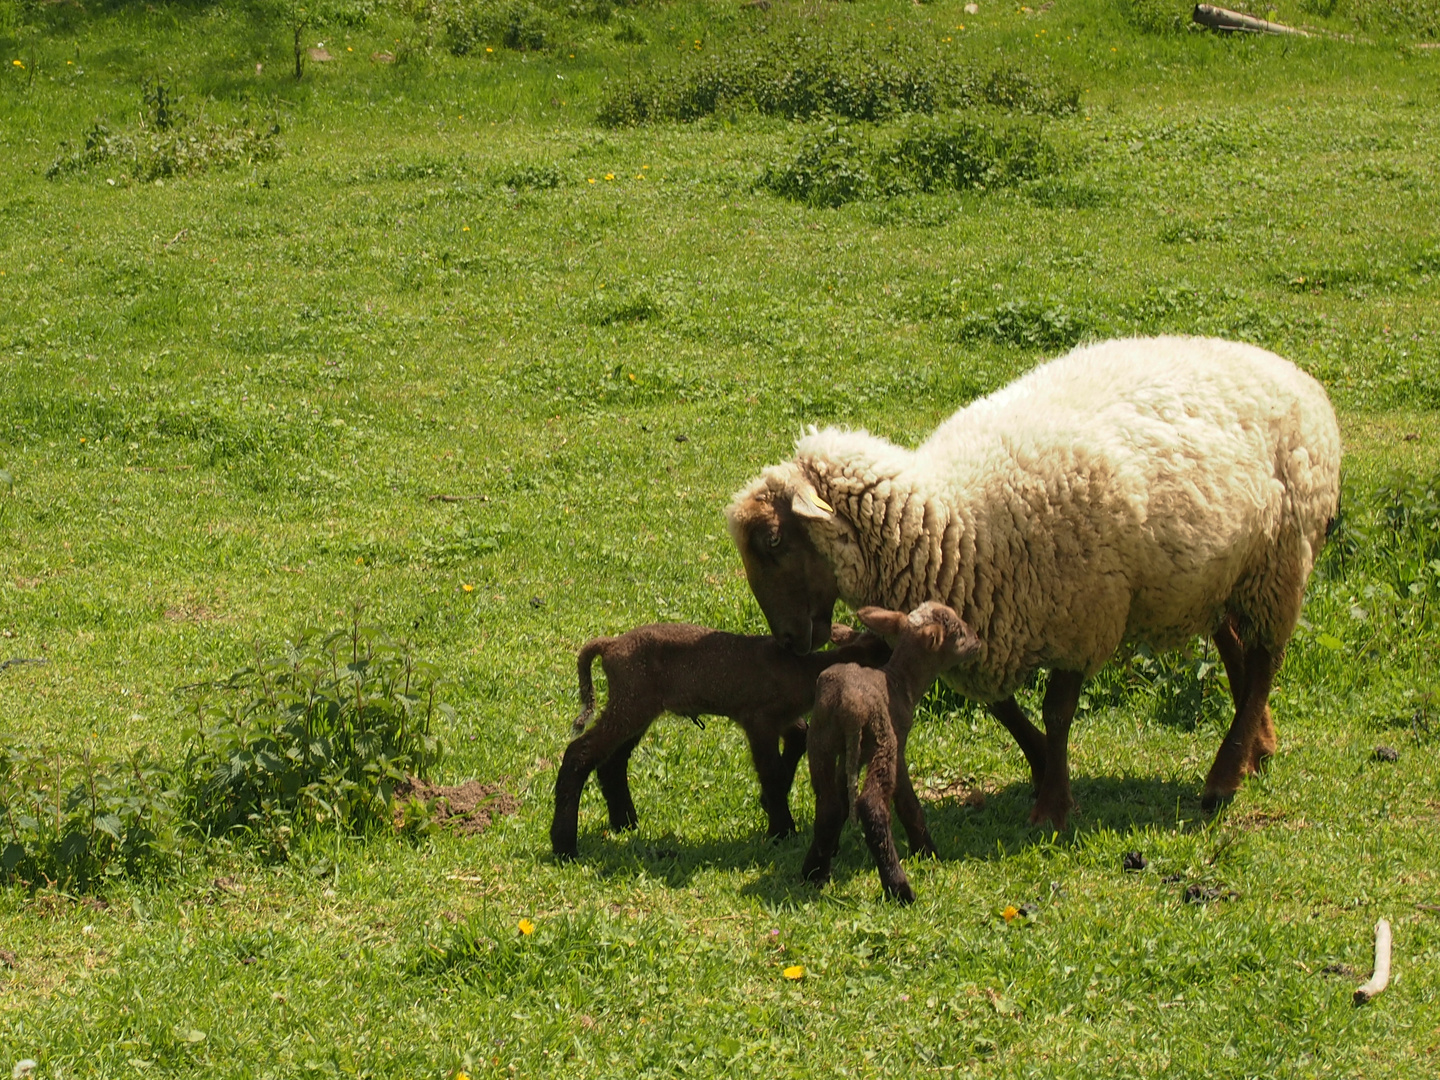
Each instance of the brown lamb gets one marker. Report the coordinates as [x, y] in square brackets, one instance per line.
[863, 716]
[694, 671]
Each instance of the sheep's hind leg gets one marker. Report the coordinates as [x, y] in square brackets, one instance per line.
[614, 777]
[1251, 738]
[830, 813]
[1262, 739]
[1053, 802]
[873, 810]
[907, 803]
[583, 754]
[1030, 738]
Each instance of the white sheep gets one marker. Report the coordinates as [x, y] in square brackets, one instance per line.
[1144, 489]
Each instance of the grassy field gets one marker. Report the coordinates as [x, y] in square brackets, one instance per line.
[245, 344]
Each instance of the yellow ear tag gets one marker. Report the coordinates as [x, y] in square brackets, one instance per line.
[822, 504]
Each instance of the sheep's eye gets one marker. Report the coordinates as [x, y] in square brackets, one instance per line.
[774, 540]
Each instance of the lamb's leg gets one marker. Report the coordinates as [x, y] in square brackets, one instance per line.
[1030, 738]
[614, 776]
[1062, 695]
[774, 779]
[907, 803]
[1251, 738]
[828, 780]
[583, 754]
[873, 810]
[792, 743]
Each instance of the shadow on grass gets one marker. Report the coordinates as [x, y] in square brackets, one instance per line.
[996, 830]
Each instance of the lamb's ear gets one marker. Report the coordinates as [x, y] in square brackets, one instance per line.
[882, 621]
[807, 503]
[840, 634]
[931, 637]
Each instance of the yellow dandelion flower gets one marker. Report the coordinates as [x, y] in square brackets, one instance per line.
[526, 927]
[1010, 913]
[462, 1075]
[468, 588]
[644, 166]
[609, 176]
[590, 179]
[18, 63]
[488, 49]
[794, 972]
[632, 376]
[359, 560]
[465, 229]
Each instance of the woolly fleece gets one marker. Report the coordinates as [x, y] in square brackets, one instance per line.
[1138, 490]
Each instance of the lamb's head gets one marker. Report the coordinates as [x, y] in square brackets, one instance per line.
[932, 630]
[792, 581]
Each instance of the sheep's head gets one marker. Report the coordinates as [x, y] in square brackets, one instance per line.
[932, 628]
[793, 583]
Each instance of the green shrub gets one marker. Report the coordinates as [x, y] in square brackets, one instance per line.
[805, 73]
[77, 823]
[1158, 16]
[154, 153]
[318, 735]
[836, 166]
[1028, 324]
[830, 169]
[470, 25]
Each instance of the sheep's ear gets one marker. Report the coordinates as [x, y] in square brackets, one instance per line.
[882, 621]
[807, 503]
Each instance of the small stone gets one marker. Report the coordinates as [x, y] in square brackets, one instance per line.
[536, 602]
[1386, 753]
[682, 438]
[1133, 862]
[972, 9]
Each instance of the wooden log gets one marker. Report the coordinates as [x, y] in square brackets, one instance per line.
[1381, 978]
[1223, 19]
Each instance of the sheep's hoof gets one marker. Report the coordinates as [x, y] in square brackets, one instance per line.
[1052, 812]
[563, 855]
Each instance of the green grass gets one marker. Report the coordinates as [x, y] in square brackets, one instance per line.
[226, 400]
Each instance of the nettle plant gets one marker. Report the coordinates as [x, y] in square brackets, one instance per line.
[76, 823]
[320, 734]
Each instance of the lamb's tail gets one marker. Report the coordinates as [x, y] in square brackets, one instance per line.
[851, 763]
[591, 649]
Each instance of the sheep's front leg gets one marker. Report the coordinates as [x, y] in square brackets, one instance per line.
[873, 810]
[775, 778]
[1052, 802]
[1030, 738]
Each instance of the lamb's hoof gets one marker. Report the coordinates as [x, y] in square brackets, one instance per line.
[565, 855]
[1214, 800]
[816, 871]
[624, 824]
[924, 850]
[778, 833]
[901, 892]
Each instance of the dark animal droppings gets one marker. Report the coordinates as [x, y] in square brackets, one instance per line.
[1133, 862]
[1386, 753]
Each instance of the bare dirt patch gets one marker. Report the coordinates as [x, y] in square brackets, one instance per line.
[966, 791]
[469, 808]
